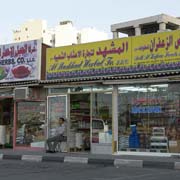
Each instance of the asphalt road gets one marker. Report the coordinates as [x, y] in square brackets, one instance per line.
[20, 170]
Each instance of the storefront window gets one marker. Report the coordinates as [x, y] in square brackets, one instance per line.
[102, 117]
[30, 124]
[149, 118]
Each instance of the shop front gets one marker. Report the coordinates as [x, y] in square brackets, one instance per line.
[30, 121]
[121, 94]
[88, 114]
[105, 119]
[22, 98]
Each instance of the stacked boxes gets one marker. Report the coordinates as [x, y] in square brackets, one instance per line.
[159, 142]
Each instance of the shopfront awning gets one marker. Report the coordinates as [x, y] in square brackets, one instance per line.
[19, 83]
[109, 79]
[127, 78]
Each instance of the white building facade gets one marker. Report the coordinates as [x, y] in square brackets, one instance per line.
[62, 35]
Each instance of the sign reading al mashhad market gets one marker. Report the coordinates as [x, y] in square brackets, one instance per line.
[20, 61]
[91, 59]
[154, 52]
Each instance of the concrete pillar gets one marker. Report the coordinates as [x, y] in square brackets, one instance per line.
[162, 26]
[115, 35]
[115, 118]
[137, 30]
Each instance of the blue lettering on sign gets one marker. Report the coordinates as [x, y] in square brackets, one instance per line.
[146, 109]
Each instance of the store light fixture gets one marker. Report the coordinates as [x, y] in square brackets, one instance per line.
[159, 85]
[136, 81]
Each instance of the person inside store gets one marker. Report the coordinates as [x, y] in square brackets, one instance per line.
[60, 136]
[28, 138]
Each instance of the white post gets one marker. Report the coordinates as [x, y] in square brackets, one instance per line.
[115, 35]
[114, 118]
[137, 30]
[162, 26]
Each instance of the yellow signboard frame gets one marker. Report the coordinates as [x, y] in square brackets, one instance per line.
[97, 58]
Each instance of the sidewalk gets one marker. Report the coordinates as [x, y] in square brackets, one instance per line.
[172, 162]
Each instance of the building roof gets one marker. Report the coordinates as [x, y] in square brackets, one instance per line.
[147, 22]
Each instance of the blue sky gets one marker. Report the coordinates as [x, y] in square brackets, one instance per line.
[84, 13]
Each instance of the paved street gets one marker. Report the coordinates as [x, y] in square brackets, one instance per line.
[21, 170]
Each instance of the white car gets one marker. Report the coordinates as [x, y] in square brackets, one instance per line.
[98, 125]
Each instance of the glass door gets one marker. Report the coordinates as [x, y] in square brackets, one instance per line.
[6, 122]
[57, 107]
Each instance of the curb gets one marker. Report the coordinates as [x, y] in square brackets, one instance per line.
[94, 161]
[159, 164]
[128, 163]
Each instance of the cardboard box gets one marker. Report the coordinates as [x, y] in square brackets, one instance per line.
[174, 146]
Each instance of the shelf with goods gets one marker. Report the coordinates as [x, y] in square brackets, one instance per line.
[80, 128]
[80, 133]
[80, 125]
[83, 120]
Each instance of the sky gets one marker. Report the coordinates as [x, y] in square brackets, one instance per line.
[99, 14]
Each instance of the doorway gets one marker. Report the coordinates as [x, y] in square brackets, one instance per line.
[6, 122]
[79, 139]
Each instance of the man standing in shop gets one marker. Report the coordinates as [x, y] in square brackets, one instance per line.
[60, 135]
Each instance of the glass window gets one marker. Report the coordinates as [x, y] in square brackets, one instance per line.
[149, 117]
[31, 127]
[57, 107]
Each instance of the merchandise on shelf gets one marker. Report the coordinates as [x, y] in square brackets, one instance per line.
[80, 124]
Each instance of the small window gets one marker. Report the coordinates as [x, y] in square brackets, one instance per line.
[19, 38]
[26, 29]
[44, 31]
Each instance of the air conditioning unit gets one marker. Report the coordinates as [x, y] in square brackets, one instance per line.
[21, 93]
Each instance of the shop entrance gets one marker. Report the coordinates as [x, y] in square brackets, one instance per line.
[88, 111]
[91, 122]
[6, 122]
[79, 139]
